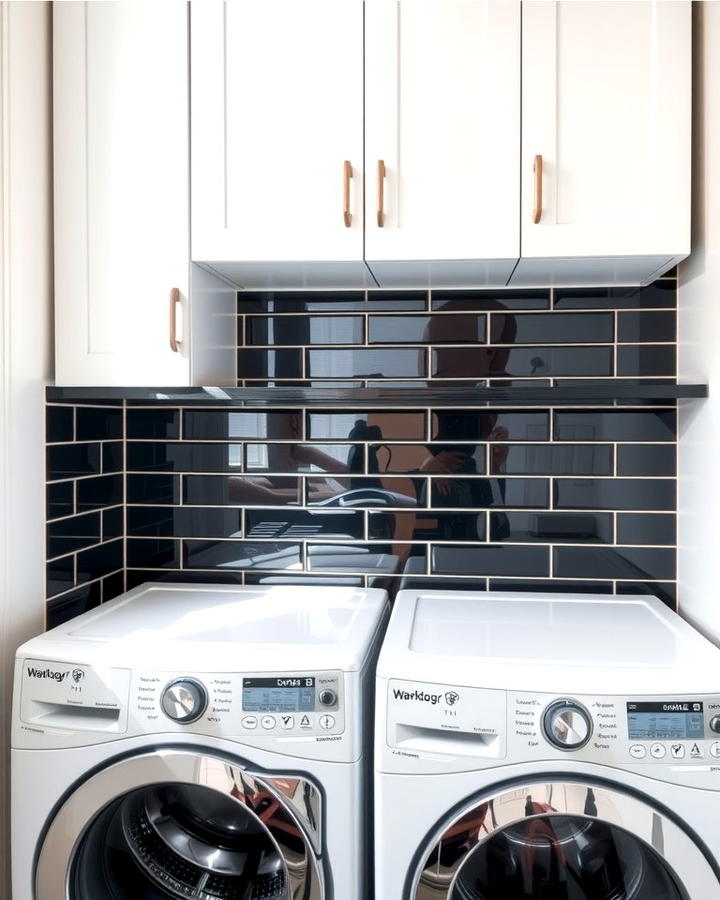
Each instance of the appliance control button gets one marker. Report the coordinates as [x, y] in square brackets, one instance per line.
[567, 725]
[715, 749]
[305, 722]
[287, 721]
[638, 751]
[184, 700]
[249, 722]
[327, 721]
[658, 751]
[329, 698]
[715, 724]
[677, 751]
[696, 751]
[267, 722]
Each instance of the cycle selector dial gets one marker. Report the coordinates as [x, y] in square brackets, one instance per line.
[184, 700]
[567, 725]
[715, 724]
[327, 697]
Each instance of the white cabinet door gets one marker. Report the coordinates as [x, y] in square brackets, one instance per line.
[606, 103]
[277, 110]
[443, 114]
[121, 190]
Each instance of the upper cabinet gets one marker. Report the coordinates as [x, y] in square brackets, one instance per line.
[606, 110]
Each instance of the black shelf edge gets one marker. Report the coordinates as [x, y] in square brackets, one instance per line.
[587, 394]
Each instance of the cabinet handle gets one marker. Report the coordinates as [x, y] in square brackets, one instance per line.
[380, 193]
[538, 172]
[347, 175]
[175, 344]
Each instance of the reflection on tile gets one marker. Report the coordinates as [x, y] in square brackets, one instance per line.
[365, 491]
[59, 424]
[660, 294]
[183, 457]
[290, 457]
[552, 527]
[448, 560]
[460, 328]
[356, 558]
[60, 575]
[442, 583]
[259, 577]
[93, 493]
[113, 586]
[72, 604]
[150, 521]
[325, 524]
[304, 330]
[366, 426]
[558, 328]
[212, 425]
[640, 327]
[646, 529]
[113, 523]
[479, 362]
[60, 500]
[298, 301]
[646, 359]
[184, 576]
[614, 562]
[112, 457]
[553, 586]
[237, 490]
[427, 459]
[496, 425]
[626, 493]
[664, 590]
[153, 423]
[99, 424]
[491, 300]
[552, 459]
[73, 534]
[427, 526]
[644, 459]
[615, 425]
[367, 363]
[269, 363]
[155, 554]
[71, 460]
[500, 493]
[242, 554]
[100, 561]
[153, 489]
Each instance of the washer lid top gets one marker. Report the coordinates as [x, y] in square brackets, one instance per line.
[619, 643]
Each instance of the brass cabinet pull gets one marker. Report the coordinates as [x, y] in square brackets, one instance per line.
[347, 175]
[175, 344]
[538, 172]
[380, 193]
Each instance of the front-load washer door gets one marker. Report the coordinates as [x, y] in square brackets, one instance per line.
[562, 840]
[178, 824]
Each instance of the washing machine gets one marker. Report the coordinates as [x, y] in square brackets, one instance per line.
[554, 747]
[198, 741]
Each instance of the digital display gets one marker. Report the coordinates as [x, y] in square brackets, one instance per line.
[667, 720]
[285, 694]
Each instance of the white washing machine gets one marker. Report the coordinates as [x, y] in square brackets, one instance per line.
[197, 741]
[554, 747]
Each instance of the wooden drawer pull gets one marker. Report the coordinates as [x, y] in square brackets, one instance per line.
[175, 344]
[538, 172]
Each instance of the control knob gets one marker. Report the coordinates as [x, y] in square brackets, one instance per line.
[715, 724]
[327, 697]
[184, 700]
[567, 724]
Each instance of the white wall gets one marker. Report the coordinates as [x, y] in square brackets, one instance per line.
[25, 340]
[699, 345]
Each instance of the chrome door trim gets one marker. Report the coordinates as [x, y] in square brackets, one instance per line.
[247, 788]
[566, 798]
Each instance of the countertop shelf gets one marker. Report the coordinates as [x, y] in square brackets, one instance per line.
[590, 393]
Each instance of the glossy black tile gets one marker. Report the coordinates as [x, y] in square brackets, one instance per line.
[182, 576]
[442, 583]
[450, 426]
[275, 555]
[552, 527]
[481, 301]
[646, 459]
[303, 330]
[216, 425]
[517, 561]
[551, 586]
[366, 491]
[627, 493]
[184, 457]
[153, 553]
[153, 488]
[646, 528]
[615, 425]
[640, 327]
[72, 534]
[270, 363]
[664, 590]
[660, 294]
[112, 457]
[74, 603]
[99, 424]
[288, 458]
[59, 424]
[93, 493]
[367, 426]
[459, 328]
[298, 301]
[100, 560]
[297, 524]
[256, 577]
[113, 522]
[72, 460]
[556, 328]
[427, 526]
[211, 490]
[361, 559]
[60, 499]
[498, 493]
[614, 562]
[367, 363]
[113, 586]
[181, 521]
[153, 423]
[516, 362]
[427, 459]
[552, 459]
[646, 359]
[60, 575]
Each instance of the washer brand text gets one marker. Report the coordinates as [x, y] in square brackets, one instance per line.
[423, 696]
[46, 673]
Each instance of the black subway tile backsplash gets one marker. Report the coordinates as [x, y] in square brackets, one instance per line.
[517, 561]
[646, 359]
[610, 493]
[73, 460]
[59, 424]
[646, 327]
[94, 493]
[552, 459]
[60, 499]
[641, 459]
[153, 488]
[96, 424]
[552, 527]
[153, 423]
[615, 425]
[181, 521]
[101, 560]
[659, 295]
[229, 425]
[490, 301]
[303, 330]
[646, 528]
[183, 456]
[614, 562]
[74, 533]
